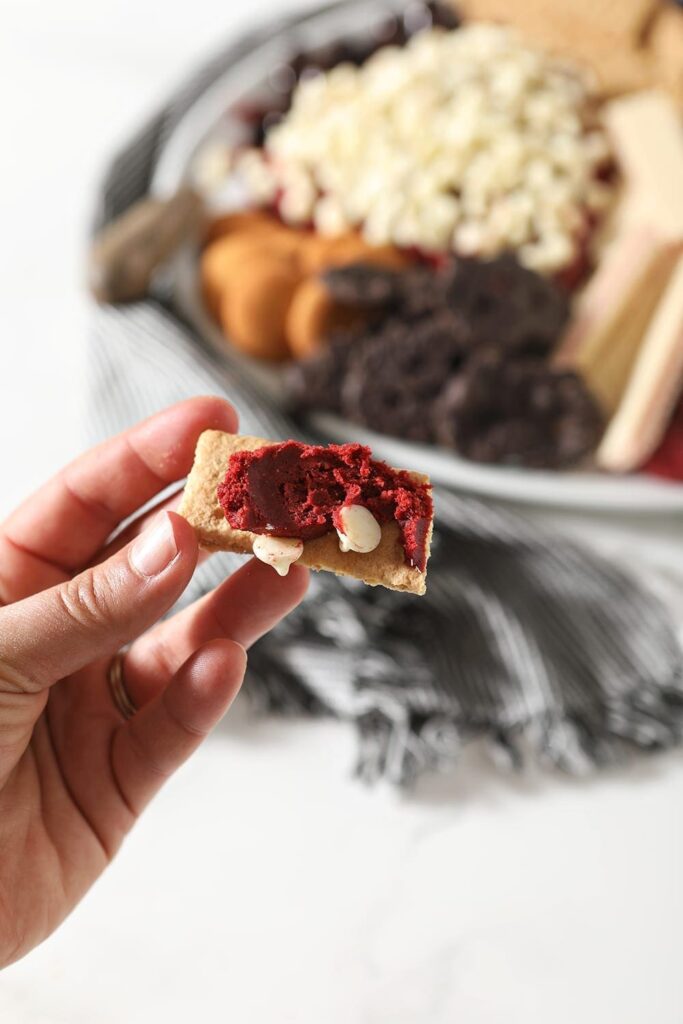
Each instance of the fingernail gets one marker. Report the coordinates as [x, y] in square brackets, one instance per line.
[156, 548]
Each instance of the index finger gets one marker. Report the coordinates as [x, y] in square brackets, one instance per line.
[62, 526]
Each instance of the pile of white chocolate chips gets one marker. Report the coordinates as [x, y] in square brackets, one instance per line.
[466, 141]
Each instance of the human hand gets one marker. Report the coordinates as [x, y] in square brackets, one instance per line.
[74, 774]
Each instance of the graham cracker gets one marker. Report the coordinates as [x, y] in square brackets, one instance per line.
[611, 39]
[385, 566]
[546, 20]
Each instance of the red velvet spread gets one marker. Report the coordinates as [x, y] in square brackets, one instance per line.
[297, 490]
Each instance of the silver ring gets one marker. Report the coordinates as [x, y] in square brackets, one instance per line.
[123, 702]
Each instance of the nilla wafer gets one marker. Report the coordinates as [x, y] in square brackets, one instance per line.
[321, 253]
[260, 280]
[312, 316]
[250, 221]
[229, 257]
[253, 310]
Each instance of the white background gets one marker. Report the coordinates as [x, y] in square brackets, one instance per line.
[265, 885]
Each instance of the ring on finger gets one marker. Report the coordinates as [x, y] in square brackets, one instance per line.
[123, 702]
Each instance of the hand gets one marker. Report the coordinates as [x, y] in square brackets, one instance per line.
[74, 775]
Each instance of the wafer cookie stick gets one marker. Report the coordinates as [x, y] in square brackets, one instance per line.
[646, 134]
[654, 387]
[604, 336]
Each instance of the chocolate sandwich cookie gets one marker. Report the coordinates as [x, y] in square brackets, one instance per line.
[503, 301]
[496, 300]
[365, 286]
[423, 291]
[316, 383]
[393, 379]
[455, 356]
[517, 412]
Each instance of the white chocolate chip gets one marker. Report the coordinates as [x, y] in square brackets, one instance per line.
[360, 531]
[443, 144]
[298, 196]
[256, 175]
[470, 238]
[329, 217]
[280, 552]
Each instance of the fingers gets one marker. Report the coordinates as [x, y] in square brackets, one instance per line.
[137, 525]
[242, 608]
[60, 528]
[58, 631]
[160, 737]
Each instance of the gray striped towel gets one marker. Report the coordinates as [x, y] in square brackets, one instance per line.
[524, 639]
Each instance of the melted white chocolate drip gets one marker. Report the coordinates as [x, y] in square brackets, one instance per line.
[280, 552]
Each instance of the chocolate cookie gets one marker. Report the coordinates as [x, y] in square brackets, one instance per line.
[316, 383]
[505, 303]
[364, 286]
[455, 355]
[423, 291]
[498, 301]
[393, 379]
[517, 412]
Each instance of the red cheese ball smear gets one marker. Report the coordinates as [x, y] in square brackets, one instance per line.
[297, 490]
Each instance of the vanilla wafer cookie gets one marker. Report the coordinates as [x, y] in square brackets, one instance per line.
[654, 387]
[612, 316]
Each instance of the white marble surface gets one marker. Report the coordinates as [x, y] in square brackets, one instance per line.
[265, 884]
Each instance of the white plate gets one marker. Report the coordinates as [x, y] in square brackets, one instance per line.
[207, 119]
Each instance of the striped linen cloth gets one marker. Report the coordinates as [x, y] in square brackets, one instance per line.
[523, 639]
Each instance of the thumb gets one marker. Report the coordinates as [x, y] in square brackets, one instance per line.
[49, 636]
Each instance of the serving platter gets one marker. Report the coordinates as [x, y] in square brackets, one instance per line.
[208, 121]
